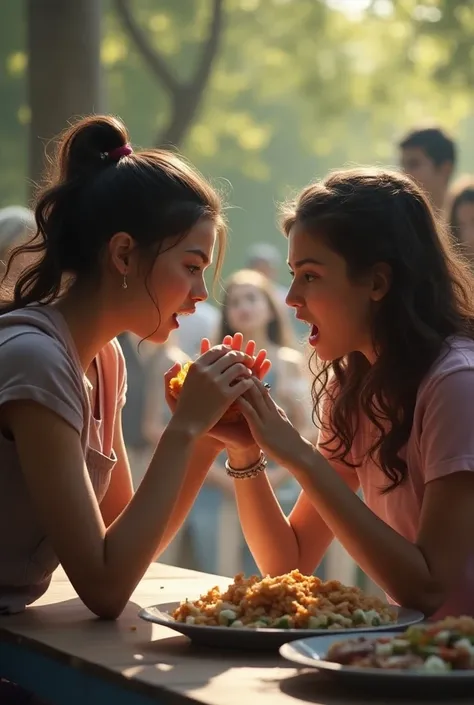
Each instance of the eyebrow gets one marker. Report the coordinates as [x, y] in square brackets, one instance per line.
[199, 253]
[307, 260]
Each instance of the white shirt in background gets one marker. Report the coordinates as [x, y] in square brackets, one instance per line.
[192, 329]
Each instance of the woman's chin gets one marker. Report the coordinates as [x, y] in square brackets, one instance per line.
[324, 354]
[323, 358]
[328, 356]
[159, 336]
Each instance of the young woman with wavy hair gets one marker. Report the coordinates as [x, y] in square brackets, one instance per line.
[391, 312]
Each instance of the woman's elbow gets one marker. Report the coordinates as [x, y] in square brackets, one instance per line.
[428, 599]
[282, 566]
[105, 603]
[105, 610]
[271, 568]
[430, 603]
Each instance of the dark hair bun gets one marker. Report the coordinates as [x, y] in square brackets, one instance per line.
[93, 193]
[84, 145]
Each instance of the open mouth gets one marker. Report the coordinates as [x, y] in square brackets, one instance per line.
[179, 314]
[313, 332]
[314, 335]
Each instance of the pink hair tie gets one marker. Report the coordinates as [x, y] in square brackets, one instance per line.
[116, 154]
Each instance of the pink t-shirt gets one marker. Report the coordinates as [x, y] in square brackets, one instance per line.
[441, 442]
[39, 361]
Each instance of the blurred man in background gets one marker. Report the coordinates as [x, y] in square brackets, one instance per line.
[428, 155]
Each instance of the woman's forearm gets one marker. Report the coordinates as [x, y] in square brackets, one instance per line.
[266, 529]
[271, 536]
[155, 512]
[204, 455]
[395, 564]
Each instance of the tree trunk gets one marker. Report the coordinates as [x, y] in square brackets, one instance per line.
[64, 72]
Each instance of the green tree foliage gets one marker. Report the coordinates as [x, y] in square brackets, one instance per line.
[14, 114]
[296, 88]
[293, 87]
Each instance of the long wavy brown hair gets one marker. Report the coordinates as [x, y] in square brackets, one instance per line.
[369, 216]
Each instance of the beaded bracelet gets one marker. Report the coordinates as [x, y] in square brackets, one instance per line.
[248, 472]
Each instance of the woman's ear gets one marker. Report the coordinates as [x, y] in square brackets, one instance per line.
[381, 280]
[120, 248]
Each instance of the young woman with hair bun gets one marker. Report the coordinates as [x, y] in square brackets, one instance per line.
[123, 240]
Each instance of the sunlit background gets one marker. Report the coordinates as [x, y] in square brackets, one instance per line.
[282, 92]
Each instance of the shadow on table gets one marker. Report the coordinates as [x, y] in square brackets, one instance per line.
[71, 630]
[314, 687]
[70, 612]
[181, 665]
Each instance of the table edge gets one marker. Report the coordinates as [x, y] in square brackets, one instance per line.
[94, 669]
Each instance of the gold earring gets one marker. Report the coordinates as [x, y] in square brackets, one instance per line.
[124, 283]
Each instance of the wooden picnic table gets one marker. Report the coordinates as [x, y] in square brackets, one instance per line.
[61, 652]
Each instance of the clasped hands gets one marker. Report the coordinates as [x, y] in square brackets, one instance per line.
[262, 423]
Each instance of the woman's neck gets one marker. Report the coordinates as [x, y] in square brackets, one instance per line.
[89, 321]
[144, 348]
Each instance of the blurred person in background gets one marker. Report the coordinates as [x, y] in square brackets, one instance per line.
[202, 324]
[428, 155]
[146, 414]
[251, 307]
[461, 215]
[17, 225]
[266, 259]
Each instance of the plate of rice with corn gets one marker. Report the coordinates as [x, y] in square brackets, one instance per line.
[262, 613]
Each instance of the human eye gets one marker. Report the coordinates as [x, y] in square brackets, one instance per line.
[310, 277]
[193, 268]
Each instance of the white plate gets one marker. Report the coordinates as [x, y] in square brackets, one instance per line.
[261, 639]
[312, 653]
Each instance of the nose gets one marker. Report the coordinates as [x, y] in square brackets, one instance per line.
[200, 292]
[242, 310]
[293, 299]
